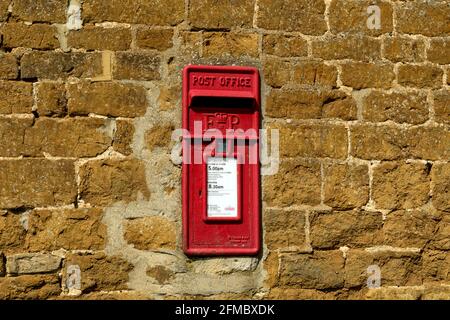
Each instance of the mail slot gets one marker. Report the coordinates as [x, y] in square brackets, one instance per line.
[221, 187]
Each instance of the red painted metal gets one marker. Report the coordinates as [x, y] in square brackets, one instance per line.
[222, 98]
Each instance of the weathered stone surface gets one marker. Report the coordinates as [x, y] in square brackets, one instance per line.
[40, 10]
[51, 100]
[345, 228]
[81, 137]
[107, 98]
[223, 265]
[103, 182]
[161, 274]
[232, 44]
[351, 16]
[213, 14]
[31, 287]
[136, 66]
[438, 292]
[29, 263]
[9, 68]
[159, 136]
[441, 237]
[12, 133]
[169, 97]
[423, 76]
[393, 293]
[15, 97]
[409, 228]
[442, 106]
[346, 186]
[12, 233]
[4, 9]
[305, 16]
[271, 265]
[436, 266]
[123, 136]
[153, 12]
[423, 17]
[439, 51]
[313, 73]
[411, 107]
[358, 47]
[359, 75]
[191, 43]
[58, 65]
[36, 36]
[98, 38]
[37, 182]
[99, 272]
[284, 228]
[157, 39]
[246, 295]
[284, 45]
[400, 185]
[320, 270]
[151, 233]
[68, 138]
[277, 72]
[389, 143]
[378, 142]
[297, 182]
[312, 140]
[440, 175]
[287, 293]
[70, 229]
[111, 295]
[397, 268]
[404, 49]
[430, 143]
[2, 264]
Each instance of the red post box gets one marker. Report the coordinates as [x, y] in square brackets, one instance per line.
[221, 188]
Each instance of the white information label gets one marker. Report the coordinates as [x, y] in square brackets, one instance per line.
[222, 187]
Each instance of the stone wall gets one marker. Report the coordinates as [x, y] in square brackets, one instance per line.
[90, 200]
